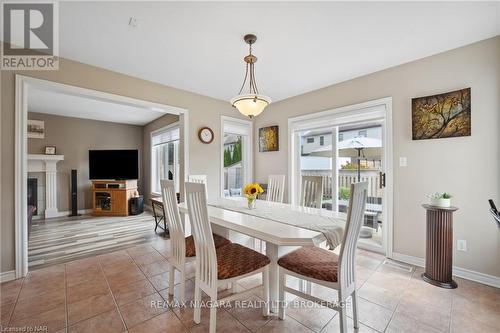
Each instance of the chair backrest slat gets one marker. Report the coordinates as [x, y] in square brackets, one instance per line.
[198, 179]
[206, 259]
[175, 225]
[275, 188]
[311, 191]
[355, 217]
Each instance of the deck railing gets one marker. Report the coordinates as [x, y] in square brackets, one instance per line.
[346, 178]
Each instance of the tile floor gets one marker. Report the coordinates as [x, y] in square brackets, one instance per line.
[113, 293]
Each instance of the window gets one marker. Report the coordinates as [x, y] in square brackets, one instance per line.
[165, 157]
[310, 140]
[321, 140]
[362, 133]
[341, 136]
[236, 156]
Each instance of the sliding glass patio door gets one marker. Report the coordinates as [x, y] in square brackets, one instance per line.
[337, 151]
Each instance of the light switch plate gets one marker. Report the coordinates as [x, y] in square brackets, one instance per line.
[462, 245]
[403, 162]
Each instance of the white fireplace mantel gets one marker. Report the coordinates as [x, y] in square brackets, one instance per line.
[48, 165]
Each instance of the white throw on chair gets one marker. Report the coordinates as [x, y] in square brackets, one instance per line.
[325, 268]
[312, 191]
[182, 249]
[219, 267]
[275, 188]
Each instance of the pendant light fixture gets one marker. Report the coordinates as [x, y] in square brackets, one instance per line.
[251, 104]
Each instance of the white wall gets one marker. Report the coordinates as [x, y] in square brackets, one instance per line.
[468, 167]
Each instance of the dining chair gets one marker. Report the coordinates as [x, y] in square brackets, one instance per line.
[201, 179]
[325, 268]
[198, 179]
[275, 188]
[217, 267]
[274, 192]
[311, 191]
[182, 248]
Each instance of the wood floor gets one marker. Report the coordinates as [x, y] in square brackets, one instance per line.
[60, 240]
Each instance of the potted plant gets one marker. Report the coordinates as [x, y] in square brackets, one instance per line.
[440, 199]
[251, 191]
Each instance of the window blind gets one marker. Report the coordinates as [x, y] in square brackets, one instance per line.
[234, 127]
[165, 136]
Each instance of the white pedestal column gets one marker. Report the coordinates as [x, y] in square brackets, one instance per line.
[48, 165]
[50, 189]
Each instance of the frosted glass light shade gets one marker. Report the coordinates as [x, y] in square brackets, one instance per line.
[250, 105]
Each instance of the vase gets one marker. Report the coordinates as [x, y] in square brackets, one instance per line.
[251, 203]
[440, 202]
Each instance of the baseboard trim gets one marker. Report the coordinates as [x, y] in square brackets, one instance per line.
[463, 273]
[80, 211]
[7, 276]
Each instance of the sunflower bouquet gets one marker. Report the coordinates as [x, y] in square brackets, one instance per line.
[251, 191]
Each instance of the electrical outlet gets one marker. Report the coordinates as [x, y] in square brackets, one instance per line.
[462, 245]
[403, 162]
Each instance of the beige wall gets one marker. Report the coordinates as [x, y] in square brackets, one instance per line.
[73, 138]
[151, 127]
[468, 167]
[203, 111]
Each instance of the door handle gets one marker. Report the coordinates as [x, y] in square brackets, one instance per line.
[382, 180]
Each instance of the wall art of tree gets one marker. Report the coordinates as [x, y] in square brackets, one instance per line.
[442, 116]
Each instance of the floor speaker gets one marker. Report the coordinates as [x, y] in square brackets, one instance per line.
[136, 205]
[74, 194]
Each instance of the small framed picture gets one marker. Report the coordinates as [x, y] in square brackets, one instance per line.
[36, 129]
[50, 150]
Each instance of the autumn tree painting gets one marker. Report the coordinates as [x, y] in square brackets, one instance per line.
[269, 139]
[442, 116]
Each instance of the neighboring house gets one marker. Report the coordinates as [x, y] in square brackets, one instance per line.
[316, 140]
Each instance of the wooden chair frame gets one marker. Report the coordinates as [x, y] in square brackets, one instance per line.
[206, 259]
[346, 284]
[311, 192]
[177, 259]
[275, 188]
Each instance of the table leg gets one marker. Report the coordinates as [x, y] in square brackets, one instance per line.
[272, 254]
[155, 217]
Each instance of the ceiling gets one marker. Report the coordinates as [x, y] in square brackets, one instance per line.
[68, 105]
[301, 46]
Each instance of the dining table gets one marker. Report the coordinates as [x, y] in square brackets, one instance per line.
[284, 227]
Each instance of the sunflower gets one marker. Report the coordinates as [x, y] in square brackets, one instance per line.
[253, 189]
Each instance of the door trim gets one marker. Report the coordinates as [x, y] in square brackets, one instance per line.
[22, 84]
[370, 110]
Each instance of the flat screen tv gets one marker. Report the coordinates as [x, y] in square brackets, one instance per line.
[114, 164]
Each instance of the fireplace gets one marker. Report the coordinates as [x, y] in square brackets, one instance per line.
[32, 194]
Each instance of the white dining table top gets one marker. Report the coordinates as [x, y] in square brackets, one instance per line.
[268, 229]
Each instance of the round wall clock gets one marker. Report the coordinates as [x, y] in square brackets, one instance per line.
[206, 135]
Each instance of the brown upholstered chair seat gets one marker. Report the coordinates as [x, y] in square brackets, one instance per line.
[218, 241]
[312, 262]
[236, 260]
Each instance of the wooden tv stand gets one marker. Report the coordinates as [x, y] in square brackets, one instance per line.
[110, 197]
